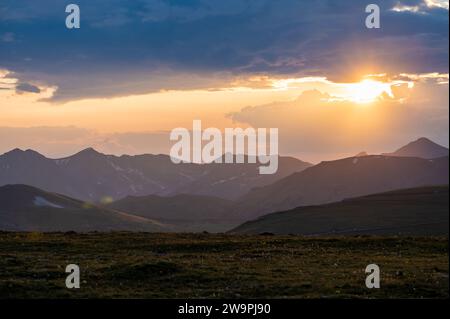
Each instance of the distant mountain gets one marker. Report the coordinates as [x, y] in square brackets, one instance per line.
[418, 211]
[423, 148]
[92, 176]
[336, 180]
[230, 181]
[26, 208]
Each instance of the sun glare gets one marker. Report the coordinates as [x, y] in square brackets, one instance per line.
[363, 92]
[366, 91]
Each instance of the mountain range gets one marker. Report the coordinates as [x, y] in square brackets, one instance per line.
[92, 176]
[150, 193]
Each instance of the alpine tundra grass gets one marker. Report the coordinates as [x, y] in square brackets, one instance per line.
[145, 265]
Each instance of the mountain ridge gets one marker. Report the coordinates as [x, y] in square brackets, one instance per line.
[413, 211]
[93, 176]
[422, 147]
[331, 181]
[27, 208]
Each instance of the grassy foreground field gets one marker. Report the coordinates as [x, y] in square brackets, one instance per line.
[143, 265]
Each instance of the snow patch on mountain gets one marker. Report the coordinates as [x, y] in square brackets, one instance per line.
[42, 202]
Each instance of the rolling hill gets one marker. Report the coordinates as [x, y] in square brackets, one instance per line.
[185, 212]
[417, 211]
[26, 208]
[177, 207]
[345, 178]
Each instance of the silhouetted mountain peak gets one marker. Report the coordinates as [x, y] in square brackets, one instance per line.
[15, 151]
[19, 153]
[423, 140]
[423, 148]
[87, 153]
[89, 150]
[12, 155]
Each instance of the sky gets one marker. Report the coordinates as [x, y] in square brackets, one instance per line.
[135, 70]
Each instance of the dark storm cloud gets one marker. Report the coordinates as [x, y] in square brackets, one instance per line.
[152, 44]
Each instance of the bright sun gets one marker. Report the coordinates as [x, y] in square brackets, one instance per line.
[366, 91]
